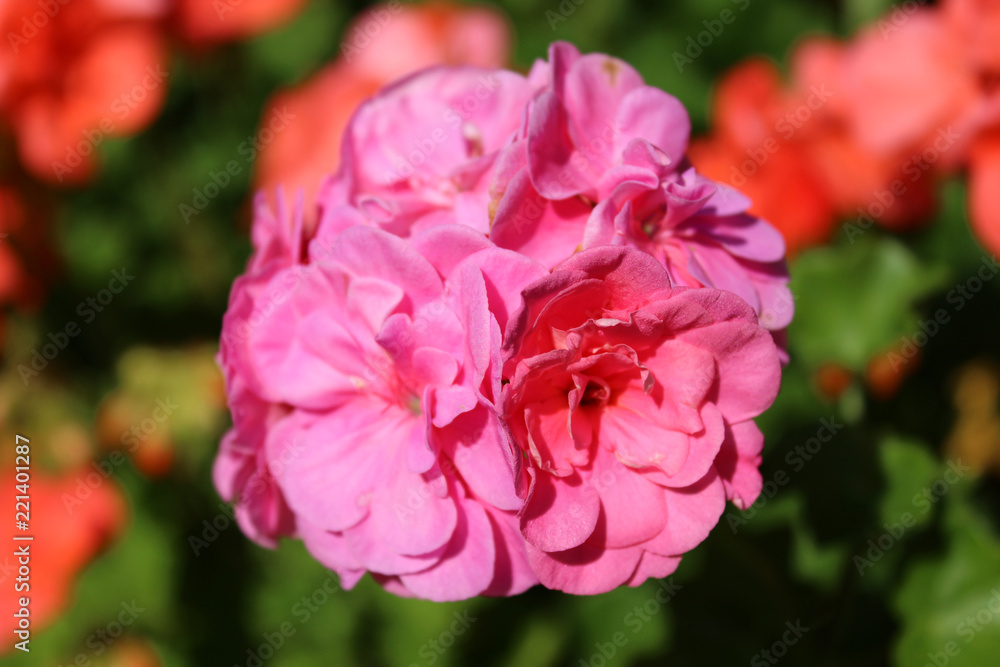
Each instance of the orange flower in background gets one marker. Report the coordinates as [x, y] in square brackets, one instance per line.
[76, 75]
[984, 190]
[975, 435]
[68, 534]
[889, 369]
[382, 44]
[889, 187]
[755, 148]
[803, 151]
[906, 77]
[79, 73]
[865, 130]
[205, 21]
[977, 24]
[132, 652]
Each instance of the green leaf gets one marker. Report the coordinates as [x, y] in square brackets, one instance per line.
[858, 13]
[949, 605]
[854, 300]
[909, 468]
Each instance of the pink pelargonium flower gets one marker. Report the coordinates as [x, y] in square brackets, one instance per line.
[634, 404]
[420, 153]
[244, 468]
[601, 160]
[362, 373]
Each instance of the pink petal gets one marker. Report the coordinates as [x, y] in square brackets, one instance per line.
[512, 574]
[341, 461]
[633, 277]
[749, 370]
[651, 114]
[367, 546]
[654, 566]
[466, 567]
[739, 463]
[554, 173]
[445, 246]
[634, 508]
[589, 569]
[702, 449]
[691, 515]
[411, 512]
[479, 447]
[374, 300]
[641, 442]
[373, 253]
[450, 402]
[746, 237]
[560, 513]
[332, 551]
[595, 88]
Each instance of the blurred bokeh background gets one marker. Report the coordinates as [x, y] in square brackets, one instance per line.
[133, 135]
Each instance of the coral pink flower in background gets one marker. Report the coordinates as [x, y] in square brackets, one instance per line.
[984, 196]
[782, 183]
[95, 70]
[362, 375]
[218, 21]
[94, 522]
[634, 402]
[929, 85]
[382, 44]
[601, 161]
[855, 177]
[978, 25]
[794, 150]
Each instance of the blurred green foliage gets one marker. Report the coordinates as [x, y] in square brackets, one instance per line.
[792, 558]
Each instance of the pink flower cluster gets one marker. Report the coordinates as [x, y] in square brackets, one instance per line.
[523, 343]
